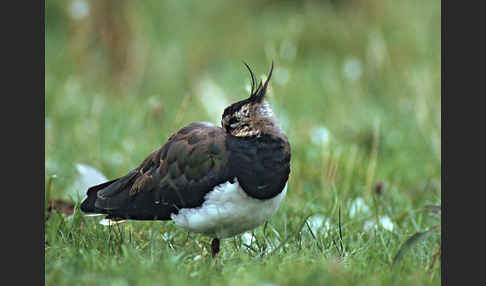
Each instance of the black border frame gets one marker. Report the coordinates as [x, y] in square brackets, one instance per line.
[452, 188]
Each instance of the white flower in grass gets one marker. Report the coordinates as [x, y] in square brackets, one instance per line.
[247, 238]
[86, 177]
[384, 221]
[358, 206]
[318, 224]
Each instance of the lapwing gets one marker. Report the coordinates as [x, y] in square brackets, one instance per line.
[216, 181]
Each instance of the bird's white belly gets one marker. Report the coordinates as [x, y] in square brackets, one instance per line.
[228, 211]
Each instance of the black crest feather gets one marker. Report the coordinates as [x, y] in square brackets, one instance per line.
[258, 93]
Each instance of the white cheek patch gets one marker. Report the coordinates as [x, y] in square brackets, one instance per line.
[265, 110]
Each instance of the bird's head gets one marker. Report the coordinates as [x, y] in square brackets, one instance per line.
[251, 116]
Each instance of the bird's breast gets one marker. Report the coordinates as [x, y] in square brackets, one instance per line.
[228, 211]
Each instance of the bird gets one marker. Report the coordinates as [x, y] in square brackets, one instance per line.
[215, 181]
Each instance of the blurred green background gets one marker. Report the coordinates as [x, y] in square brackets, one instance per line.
[356, 86]
[121, 76]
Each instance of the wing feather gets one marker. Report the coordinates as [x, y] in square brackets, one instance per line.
[178, 175]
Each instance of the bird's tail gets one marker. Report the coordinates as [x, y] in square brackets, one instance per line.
[88, 205]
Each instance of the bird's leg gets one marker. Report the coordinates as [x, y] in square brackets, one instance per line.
[214, 247]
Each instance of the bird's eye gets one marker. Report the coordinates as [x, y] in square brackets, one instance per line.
[232, 121]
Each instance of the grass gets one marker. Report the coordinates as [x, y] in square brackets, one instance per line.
[356, 87]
